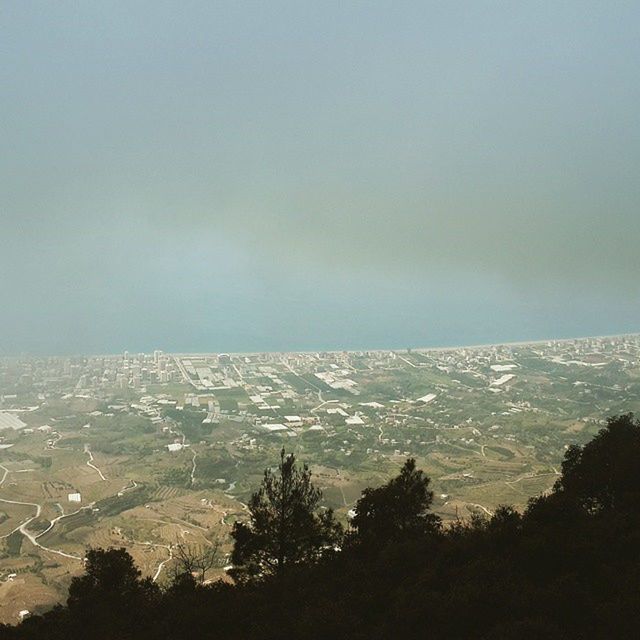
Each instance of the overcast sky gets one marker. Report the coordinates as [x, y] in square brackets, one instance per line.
[237, 176]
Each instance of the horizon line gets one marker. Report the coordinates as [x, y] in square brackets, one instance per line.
[308, 351]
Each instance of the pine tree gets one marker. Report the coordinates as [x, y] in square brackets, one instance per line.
[398, 509]
[286, 527]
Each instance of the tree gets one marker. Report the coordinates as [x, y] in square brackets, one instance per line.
[194, 560]
[603, 475]
[286, 525]
[400, 508]
[111, 593]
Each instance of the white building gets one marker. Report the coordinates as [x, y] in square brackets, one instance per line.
[10, 421]
[275, 427]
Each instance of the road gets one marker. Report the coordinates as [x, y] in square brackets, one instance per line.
[475, 504]
[184, 373]
[193, 467]
[90, 461]
[127, 487]
[161, 565]
[63, 515]
[219, 509]
[529, 476]
[156, 575]
[23, 527]
[407, 361]
[33, 538]
[322, 403]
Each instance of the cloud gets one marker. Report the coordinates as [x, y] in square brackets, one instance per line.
[207, 152]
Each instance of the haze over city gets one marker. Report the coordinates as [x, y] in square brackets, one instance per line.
[285, 176]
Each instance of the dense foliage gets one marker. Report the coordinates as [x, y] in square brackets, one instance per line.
[569, 567]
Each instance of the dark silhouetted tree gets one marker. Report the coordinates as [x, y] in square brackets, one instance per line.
[111, 593]
[195, 560]
[400, 508]
[605, 473]
[286, 524]
[505, 519]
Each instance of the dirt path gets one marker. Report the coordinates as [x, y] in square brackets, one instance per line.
[193, 467]
[475, 504]
[23, 527]
[90, 461]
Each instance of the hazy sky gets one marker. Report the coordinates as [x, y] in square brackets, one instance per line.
[236, 176]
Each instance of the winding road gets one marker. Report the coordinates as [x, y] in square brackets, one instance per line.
[90, 461]
[33, 539]
[193, 468]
